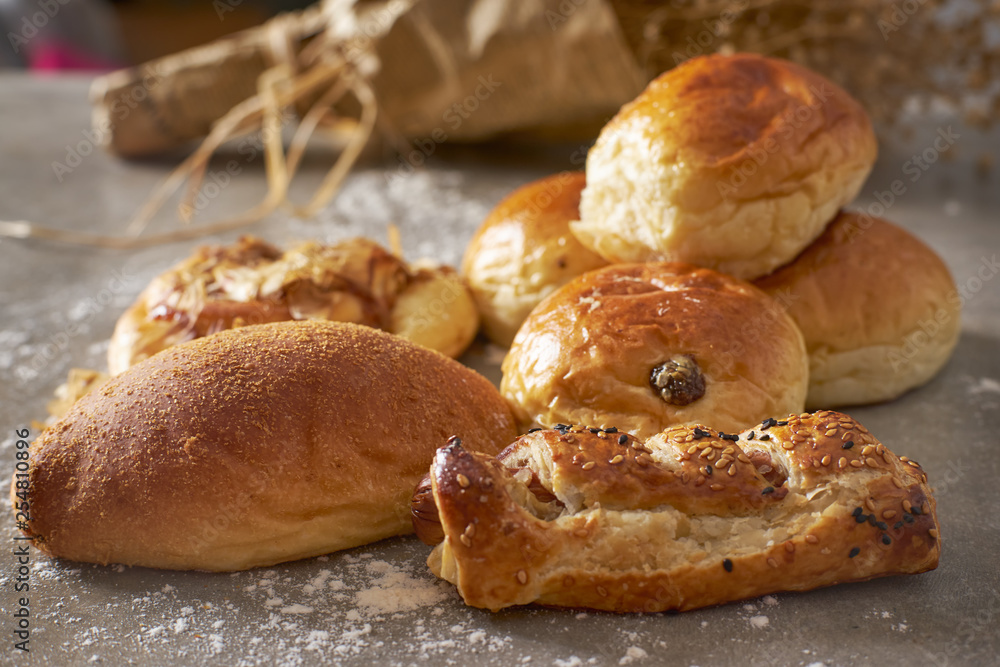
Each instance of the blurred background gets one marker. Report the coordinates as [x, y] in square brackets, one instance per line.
[883, 51]
[107, 34]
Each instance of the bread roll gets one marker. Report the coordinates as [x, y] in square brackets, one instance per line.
[252, 282]
[646, 346]
[878, 310]
[524, 250]
[735, 163]
[688, 519]
[254, 446]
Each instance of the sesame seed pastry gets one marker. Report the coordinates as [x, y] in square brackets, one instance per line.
[253, 446]
[692, 517]
[252, 282]
[647, 346]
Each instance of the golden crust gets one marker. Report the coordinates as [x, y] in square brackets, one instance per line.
[254, 446]
[731, 162]
[846, 514]
[252, 282]
[877, 307]
[586, 353]
[524, 250]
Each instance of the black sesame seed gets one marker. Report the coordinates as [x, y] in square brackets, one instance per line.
[897, 525]
[882, 525]
[729, 436]
[854, 552]
[750, 436]
[915, 511]
[907, 518]
[561, 427]
[534, 430]
[768, 423]
[612, 429]
[765, 437]
[622, 439]
[886, 539]
[728, 564]
[708, 470]
[856, 512]
[847, 445]
[767, 490]
[861, 518]
[699, 434]
[595, 431]
[871, 519]
[781, 423]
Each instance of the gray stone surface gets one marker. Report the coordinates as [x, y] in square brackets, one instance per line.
[379, 604]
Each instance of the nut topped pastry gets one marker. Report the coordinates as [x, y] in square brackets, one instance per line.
[252, 282]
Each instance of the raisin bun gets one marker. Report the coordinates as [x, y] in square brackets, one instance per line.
[878, 309]
[735, 163]
[524, 250]
[645, 346]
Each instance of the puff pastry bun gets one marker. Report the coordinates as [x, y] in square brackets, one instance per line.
[253, 282]
[689, 518]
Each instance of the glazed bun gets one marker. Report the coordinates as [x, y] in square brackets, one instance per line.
[524, 250]
[735, 163]
[253, 446]
[878, 310]
[645, 346]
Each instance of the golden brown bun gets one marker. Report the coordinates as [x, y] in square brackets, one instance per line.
[735, 163]
[253, 282]
[254, 446]
[524, 250]
[586, 354]
[625, 526]
[435, 310]
[878, 310]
